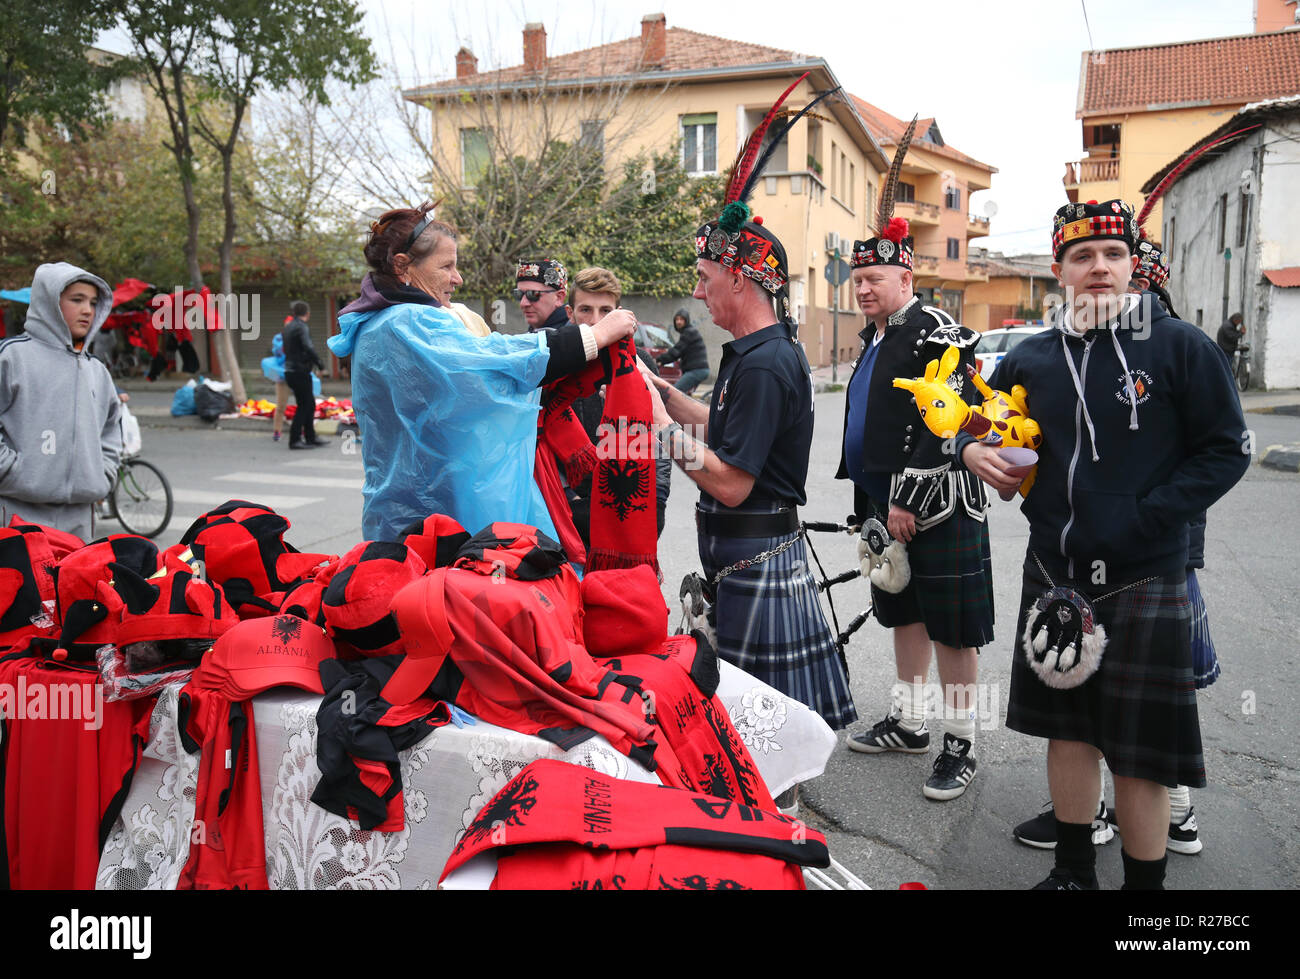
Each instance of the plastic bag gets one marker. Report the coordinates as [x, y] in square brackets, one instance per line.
[183, 400]
[212, 400]
[138, 671]
[131, 441]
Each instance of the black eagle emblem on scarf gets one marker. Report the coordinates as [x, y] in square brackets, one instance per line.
[624, 483]
[508, 808]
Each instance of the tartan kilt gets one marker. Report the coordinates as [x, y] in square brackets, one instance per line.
[951, 591]
[1205, 661]
[769, 620]
[1139, 708]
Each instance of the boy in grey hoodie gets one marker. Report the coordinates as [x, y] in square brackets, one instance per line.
[59, 436]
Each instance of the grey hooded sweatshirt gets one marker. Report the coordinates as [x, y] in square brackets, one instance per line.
[60, 440]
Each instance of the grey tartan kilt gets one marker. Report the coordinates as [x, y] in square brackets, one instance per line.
[1139, 708]
[770, 623]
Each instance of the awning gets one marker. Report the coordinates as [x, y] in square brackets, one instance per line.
[128, 290]
[1285, 278]
[17, 295]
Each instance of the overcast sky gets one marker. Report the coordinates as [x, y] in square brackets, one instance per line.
[1000, 76]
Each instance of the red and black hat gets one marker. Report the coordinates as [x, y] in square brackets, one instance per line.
[87, 609]
[737, 239]
[548, 271]
[892, 244]
[27, 594]
[258, 654]
[437, 539]
[513, 549]
[1093, 221]
[61, 542]
[1153, 263]
[357, 603]
[175, 605]
[242, 548]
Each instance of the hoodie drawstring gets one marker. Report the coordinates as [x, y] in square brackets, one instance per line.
[1128, 380]
[1078, 390]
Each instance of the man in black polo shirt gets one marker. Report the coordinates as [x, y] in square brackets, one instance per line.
[751, 468]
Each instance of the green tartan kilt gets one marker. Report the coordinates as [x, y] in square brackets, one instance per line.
[951, 590]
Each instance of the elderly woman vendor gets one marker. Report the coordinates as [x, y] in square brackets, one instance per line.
[448, 420]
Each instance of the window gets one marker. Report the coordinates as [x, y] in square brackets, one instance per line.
[593, 136]
[954, 248]
[700, 143]
[474, 156]
[1223, 221]
[906, 193]
[952, 198]
[871, 200]
[1243, 220]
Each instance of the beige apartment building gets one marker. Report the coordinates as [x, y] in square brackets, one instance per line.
[672, 86]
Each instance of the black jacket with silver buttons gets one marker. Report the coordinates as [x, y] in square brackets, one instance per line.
[895, 440]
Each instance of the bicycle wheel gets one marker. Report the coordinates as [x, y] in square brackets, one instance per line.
[1243, 373]
[141, 498]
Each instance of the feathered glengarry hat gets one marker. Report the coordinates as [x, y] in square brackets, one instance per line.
[737, 239]
[1153, 262]
[892, 244]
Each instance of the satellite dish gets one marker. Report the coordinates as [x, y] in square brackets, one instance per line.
[990, 209]
[947, 178]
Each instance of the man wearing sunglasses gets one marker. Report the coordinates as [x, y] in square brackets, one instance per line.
[541, 291]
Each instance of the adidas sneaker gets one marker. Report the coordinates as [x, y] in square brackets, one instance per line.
[953, 770]
[890, 735]
[1183, 837]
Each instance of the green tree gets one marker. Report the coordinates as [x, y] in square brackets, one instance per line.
[45, 71]
[208, 59]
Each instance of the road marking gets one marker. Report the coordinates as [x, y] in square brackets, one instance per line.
[275, 502]
[292, 479]
[316, 462]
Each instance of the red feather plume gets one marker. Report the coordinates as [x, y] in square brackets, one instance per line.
[1177, 171]
[744, 165]
[896, 230]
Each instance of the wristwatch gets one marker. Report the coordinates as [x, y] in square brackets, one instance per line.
[666, 438]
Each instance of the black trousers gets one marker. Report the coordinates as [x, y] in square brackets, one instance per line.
[303, 426]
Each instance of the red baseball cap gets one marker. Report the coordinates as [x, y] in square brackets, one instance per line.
[420, 610]
[258, 654]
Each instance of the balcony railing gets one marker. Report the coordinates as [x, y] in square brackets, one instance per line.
[918, 211]
[977, 227]
[927, 263]
[1093, 171]
[977, 272]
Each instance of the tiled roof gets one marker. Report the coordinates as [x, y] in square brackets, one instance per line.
[1216, 71]
[1286, 278]
[685, 51]
[889, 129]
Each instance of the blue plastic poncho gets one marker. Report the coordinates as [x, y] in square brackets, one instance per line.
[273, 366]
[448, 420]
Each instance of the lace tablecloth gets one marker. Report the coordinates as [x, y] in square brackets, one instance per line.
[447, 778]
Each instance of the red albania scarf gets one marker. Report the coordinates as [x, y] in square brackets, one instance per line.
[624, 532]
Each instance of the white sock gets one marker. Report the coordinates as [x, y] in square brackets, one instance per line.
[1101, 802]
[909, 700]
[1180, 803]
[960, 727]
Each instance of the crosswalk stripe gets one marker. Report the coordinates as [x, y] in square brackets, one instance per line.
[275, 502]
[291, 479]
[316, 461]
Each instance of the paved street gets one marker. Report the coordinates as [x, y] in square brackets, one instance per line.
[871, 807]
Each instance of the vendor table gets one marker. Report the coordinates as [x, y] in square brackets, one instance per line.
[447, 778]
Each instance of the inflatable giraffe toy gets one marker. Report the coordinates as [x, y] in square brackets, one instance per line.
[1002, 420]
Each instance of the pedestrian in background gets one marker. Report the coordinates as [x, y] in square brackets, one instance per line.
[299, 358]
[690, 349]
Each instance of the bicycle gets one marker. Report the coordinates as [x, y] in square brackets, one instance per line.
[1242, 369]
[141, 497]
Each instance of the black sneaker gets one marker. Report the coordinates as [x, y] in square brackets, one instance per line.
[1183, 837]
[1063, 880]
[953, 770]
[890, 735]
[304, 445]
[1040, 832]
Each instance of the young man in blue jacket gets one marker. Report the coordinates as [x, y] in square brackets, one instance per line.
[1142, 430]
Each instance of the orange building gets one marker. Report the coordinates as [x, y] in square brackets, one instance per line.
[1016, 287]
[934, 196]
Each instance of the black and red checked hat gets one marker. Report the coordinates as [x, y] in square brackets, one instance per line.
[242, 547]
[304, 598]
[437, 538]
[521, 551]
[357, 602]
[1091, 221]
[87, 610]
[1153, 263]
[174, 605]
[61, 542]
[27, 597]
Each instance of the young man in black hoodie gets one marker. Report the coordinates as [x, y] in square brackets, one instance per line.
[299, 359]
[1142, 430]
[690, 350]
